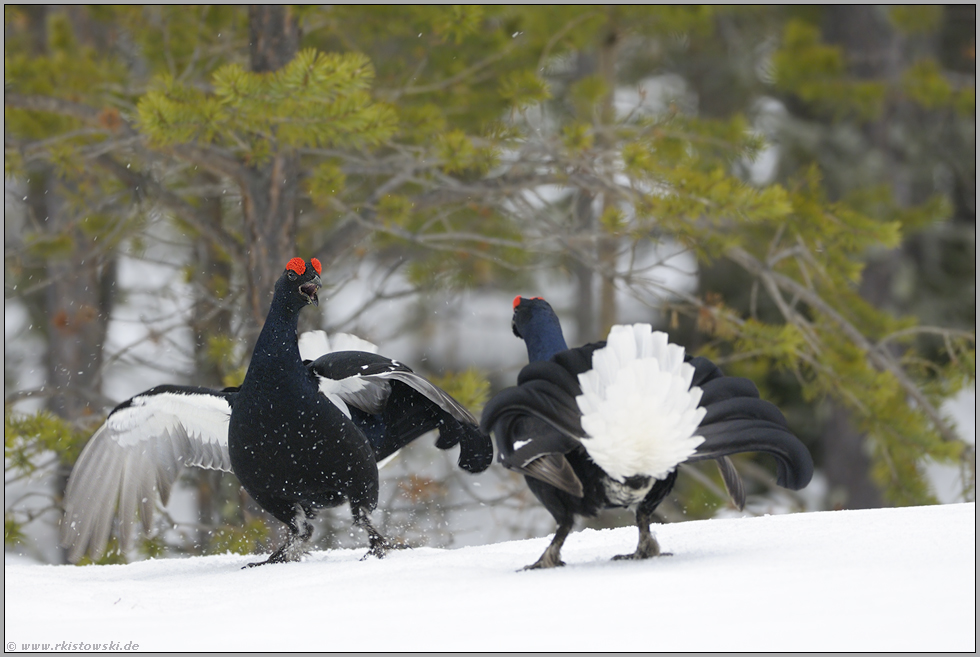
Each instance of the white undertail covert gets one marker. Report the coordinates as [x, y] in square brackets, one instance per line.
[639, 410]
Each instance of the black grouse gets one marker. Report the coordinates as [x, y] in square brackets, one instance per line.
[606, 425]
[299, 435]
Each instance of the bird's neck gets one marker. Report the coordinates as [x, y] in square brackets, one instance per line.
[277, 344]
[543, 338]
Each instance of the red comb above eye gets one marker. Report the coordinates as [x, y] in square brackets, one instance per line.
[297, 265]
[317, 266]
[519, 298]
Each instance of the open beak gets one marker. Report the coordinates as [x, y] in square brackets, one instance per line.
[309, 290]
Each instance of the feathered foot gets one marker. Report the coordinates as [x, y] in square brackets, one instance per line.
[379, 545]
[647, 547]
[297, 543]
[279, 556]
[295, 547]
[552, 554]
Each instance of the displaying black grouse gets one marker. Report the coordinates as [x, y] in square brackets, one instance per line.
[606, 425]
[300, 435]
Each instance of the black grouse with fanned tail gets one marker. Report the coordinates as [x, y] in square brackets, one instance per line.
[300, 436]
[606, 425]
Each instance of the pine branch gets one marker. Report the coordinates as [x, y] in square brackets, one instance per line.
[560, 34]
[80, 111]
[211, 158]
[878, 357]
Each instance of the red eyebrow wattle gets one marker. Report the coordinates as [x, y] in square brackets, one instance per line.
[317, 266]
[297, 265]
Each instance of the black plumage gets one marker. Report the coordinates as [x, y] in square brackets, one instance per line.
[299, 435]
[538, 428]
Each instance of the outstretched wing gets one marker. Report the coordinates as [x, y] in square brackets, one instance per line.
[135, 457]
[536, 423]
[313, 344]
[393, 406]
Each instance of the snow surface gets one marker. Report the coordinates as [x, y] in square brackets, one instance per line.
[881, 580]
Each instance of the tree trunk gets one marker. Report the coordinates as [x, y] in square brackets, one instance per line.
[607, 247]
[77, 302]
[211, 318]
[212, 314]
[270, 229]
[594, 317]
[583, 223]
[270, 198]
[269, 207]
[76, 306]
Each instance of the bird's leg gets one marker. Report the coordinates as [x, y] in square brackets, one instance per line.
[552, 554]
[379, 544]
[297, 542]
[647, 546]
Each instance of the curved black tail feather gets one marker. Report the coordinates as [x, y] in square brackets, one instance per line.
[793, 461]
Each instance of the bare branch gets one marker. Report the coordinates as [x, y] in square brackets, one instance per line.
[142, 184]
[448, 82]
[926, 330]
[217, 161]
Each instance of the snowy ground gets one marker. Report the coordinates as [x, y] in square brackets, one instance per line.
[881, 580]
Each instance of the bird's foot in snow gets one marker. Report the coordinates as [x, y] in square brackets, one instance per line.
[640, 555]
[551, 558]
[379, 544]
[293, 550]
[257, 563]
[542, 563]
[381, 547]
[276, 557]
[646, 549]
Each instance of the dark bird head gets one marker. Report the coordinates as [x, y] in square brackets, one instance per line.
[299, 283]
[537, 324]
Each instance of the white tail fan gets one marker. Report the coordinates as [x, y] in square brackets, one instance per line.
[314, 344]
[638, 406]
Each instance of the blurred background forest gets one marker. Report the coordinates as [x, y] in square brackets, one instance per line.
[790, 191]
